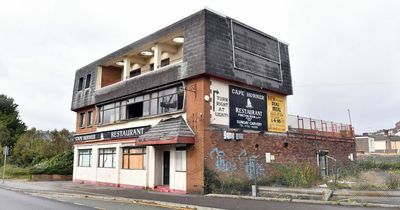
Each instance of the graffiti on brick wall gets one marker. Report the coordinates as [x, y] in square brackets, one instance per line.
[220, 163]
[253, 167]
[250, 164]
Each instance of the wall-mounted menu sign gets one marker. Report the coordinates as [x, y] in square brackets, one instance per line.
[276, 113]
[247, 109]
[114, 134]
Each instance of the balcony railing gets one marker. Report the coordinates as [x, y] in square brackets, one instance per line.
[318, 128]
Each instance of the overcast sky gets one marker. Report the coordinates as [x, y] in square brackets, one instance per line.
[343, 54]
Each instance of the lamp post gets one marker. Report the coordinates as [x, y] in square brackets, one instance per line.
[5, 153]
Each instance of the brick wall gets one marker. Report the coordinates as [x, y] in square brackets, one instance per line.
[234, 157]
[86, 129]
[198, 117]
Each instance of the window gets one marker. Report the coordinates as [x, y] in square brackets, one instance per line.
[180, 157]
[133, 158]
[80, 84]
[82, 120]
[134, 73]
[89, 118]
[151, 66]
[88, 78]
[158, 102]
[165, 62]
[84, 156]
[107, 158]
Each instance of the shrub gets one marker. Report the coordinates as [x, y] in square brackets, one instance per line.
[295, 175]
[211, 181]
[226, 185]
[60, 164]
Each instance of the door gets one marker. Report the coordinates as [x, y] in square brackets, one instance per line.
[166, 168]
[323, 164]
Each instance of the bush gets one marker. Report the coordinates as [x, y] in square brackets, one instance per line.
[372, 165]
[211, 181]
[294, 175]
[60, 164]
[227, 185]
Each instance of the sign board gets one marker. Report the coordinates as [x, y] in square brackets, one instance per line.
[247, 109]
[256, 52]
[125, 133]
[219, 102]
[276, 106]
[114, 134]
[233, 136]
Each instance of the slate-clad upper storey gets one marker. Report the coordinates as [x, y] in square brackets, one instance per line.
[258, 67]
[207, 50]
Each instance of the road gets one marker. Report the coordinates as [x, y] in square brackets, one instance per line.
[20, 201]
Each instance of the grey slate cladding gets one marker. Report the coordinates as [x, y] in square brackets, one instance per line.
[168, 128]
[207, 50]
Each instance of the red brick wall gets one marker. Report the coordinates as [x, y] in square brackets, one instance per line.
[198, 117]
[86, 129]
[233, 157]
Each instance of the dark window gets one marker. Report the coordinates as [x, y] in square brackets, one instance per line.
[134, 73]
[133, 158]
[89, 118]
[80, 84]
[164, 62]
[84, 156]
[82, 119]
[151, 66]
[158, 102]
[107, 158]
[88, 78]
[135, 110]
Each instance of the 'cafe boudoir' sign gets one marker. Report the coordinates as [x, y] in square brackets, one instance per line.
[247, 109]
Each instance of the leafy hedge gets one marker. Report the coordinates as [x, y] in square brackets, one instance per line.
[60, 164]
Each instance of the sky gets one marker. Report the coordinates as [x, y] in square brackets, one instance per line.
[343, 54]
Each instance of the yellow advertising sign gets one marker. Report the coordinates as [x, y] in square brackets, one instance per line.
[276, 109]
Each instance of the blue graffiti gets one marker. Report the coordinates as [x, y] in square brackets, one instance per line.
[253, 167]
[220, 163]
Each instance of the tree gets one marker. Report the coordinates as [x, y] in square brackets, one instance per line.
[11, 126]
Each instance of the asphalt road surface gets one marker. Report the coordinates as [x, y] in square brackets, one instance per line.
[10, 200]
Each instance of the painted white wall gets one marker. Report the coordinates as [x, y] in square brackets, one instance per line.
[151, 176]
[380, 145]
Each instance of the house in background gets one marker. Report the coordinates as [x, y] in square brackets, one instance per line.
[365, 144]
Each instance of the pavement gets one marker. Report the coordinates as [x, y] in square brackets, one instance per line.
[81, 191]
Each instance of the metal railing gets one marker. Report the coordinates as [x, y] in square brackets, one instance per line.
[314, 127]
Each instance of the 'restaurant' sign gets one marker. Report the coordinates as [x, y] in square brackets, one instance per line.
[125, 133]
[247, 109]
[114, 134]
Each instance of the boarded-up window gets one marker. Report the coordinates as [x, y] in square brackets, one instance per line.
[134, 158]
